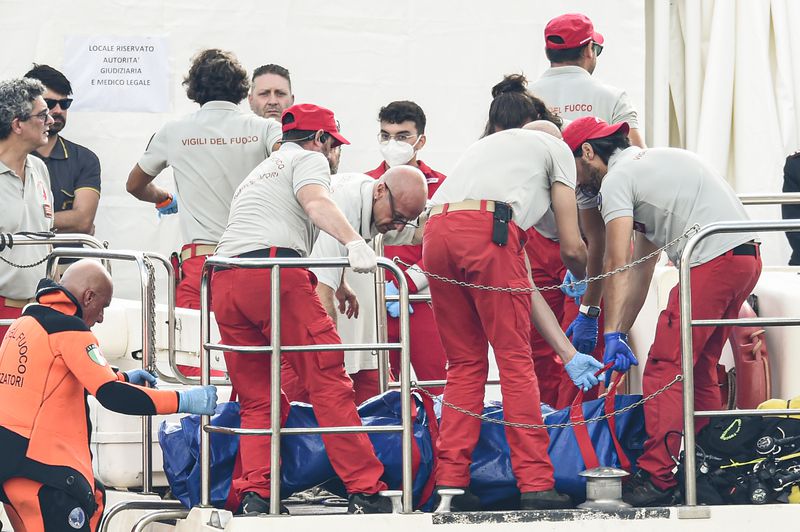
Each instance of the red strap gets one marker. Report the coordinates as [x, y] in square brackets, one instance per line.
[415, 454]
[433, 428]
[624, 463]
[582, 433]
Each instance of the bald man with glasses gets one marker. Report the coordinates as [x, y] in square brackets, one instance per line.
[25, 189]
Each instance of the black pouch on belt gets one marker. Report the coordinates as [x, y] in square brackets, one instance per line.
[502, 215]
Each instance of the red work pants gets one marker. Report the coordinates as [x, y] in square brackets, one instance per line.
[365, 384]
[719, 287]
[243, 317]
[458, 245]
[187, 294]
[427, 352]
[547, 269]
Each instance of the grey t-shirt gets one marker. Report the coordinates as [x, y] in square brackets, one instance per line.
[265, 211]
[210, 151]
[666, 191]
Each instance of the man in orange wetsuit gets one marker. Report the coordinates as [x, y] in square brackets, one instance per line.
[49, 360]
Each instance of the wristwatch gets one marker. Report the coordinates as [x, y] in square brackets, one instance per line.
[590, 311]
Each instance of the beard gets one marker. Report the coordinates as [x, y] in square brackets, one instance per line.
[58, 124]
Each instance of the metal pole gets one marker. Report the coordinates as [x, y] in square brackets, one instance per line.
[135, 505]
[205, 378]
[157, 517]
[275, 393]
[147, 357]
[170, 302]
[405, 393]
[788, 198]
[381, 331]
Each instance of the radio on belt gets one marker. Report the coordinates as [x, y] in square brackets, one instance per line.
[502, 215]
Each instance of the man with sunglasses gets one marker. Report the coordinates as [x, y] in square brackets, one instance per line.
[74, 169]
[24, 189]
[401, 136]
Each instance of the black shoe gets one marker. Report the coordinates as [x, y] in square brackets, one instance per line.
[640, 491]
[255, 504]
[469, 502]
[544, 500]
[361, 503]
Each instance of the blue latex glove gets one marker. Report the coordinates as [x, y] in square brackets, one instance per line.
[141, 377]
[619, 353]
[573, 287]
[169, 208]
[393, 307]
[581, 370]
[201, 400]
[583, 333]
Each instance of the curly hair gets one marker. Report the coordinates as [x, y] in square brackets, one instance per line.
[216, 75]
[402, 110]
[16, 101]
[514, 106]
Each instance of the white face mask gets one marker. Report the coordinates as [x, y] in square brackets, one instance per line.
[397, 153]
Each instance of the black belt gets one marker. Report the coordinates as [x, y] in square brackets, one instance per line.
[749, 249]
[267, 253]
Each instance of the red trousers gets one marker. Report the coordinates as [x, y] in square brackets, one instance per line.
[8, 313]
[458, 245]
[365, 384]
[427, 352]
[547, 269]
[187, 294]
[719, 287]
[243, 317]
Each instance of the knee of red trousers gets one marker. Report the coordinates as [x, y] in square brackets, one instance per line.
[365, 384]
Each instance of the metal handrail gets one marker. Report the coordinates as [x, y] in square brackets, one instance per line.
[381, 325]
[786, 198]
[136, 505]
[687, 353]
[275, 264]
[157, 517]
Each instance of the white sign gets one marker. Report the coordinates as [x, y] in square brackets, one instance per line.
[118, 74]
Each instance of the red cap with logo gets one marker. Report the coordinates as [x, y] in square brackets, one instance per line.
[588, 128]
[310, 117]
[570, 31]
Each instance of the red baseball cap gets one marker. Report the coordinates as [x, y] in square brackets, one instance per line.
[588, 128]
[310, 117]
[570, 31]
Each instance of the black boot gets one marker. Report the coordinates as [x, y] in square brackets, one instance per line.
[469, 502]
[361, 503]
[640, 491]
[255, 504]
[544, 500]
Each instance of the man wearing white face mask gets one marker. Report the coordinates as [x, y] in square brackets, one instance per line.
[401, 137]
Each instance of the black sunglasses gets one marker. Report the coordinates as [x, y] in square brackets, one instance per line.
[63, 102]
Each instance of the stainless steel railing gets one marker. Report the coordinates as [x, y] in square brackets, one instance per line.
[687, 354]
[276, 349]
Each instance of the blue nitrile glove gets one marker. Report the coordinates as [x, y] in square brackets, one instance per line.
[619, 353]
[393, 307]
[140, 377]
[583, 333]
[201, 400]
[168, 206]
[573, 287]
[581, 370]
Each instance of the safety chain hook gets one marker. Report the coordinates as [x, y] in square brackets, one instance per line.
[689, 232]
[643, 400]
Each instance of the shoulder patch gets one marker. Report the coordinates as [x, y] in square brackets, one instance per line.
[94, 353]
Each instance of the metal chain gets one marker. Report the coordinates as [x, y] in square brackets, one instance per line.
[515, 425]
[689, 232]
[151, 303]
[8, 242]
[23, 266]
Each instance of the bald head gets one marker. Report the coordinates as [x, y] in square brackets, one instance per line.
[92, 286]
[405, 189]
[545, 126]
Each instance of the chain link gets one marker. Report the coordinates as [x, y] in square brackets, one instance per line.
[23, 266]
[689, 232]
[151, 303]
[643, 400]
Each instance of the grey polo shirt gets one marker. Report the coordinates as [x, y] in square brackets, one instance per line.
[210, 151]
[27, 206]
[666, 191]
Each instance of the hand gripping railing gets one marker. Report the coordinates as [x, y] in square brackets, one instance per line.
[276, 349]
[687, 355]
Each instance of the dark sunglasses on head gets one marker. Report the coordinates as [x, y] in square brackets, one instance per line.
[63, 102]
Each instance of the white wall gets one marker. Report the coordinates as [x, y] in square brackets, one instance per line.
[352, 56]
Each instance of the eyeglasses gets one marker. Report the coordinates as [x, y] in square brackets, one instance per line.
[43, 116]
[384, 138]
[397, 218]
[598, 49]
[63, 102]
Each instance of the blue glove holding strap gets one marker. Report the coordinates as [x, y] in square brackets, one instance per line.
[393, 307]
[619, 353]
[583, 333]
[168, 206]
[573, 287]
[201, 400]
[140, 377]
[581, 370]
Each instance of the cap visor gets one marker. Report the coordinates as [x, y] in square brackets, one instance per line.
[339, 137]
[598, 37]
